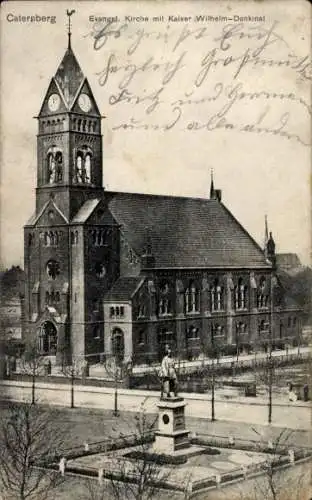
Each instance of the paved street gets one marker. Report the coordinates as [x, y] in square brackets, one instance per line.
[295, 415]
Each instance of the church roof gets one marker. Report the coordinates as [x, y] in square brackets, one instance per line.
[69, 76]
[185, 232]
[85, 211]
[124, 288]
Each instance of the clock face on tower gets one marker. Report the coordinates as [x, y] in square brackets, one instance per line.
[54, 102]
[84, 102]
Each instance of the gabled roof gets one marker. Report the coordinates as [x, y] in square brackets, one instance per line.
[32, 221]
[69, 76]
[184, 232]
[93, 211]
[124, 288]
[85, 211]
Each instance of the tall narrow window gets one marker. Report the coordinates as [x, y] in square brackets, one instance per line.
[54, 165]
[164, 302]
[192, 298]
[240, 295]
[59, 166]
[217, 296]
[83, 165]
[79, 161]
[88, 167]
[217, 332]
[50, 168]
[262, 297]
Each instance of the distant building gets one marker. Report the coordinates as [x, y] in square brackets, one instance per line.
[128, 274]
[289, 263]
[12, 291]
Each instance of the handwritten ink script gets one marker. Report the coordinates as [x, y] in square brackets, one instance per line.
[238, 76]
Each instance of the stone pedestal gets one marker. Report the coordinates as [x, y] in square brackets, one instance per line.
[171, 434]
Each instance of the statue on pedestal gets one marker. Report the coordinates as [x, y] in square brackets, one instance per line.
[168, 376]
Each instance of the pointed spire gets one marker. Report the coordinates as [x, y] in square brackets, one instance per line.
[212, 190]
[266, 233]
[69, 14]
[269, 243]
[69, 76]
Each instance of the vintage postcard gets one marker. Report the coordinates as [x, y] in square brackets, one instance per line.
[155, 249]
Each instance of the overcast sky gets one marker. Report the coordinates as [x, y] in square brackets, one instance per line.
[179, 100]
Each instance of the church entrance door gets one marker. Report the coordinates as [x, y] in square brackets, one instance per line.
[48, 338]
[118, 344]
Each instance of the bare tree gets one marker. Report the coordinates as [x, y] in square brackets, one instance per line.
[32, 363]
[268, 375]
[273, 483]
[134, 477]
[117, 369]
[73, 371]
[28, 439]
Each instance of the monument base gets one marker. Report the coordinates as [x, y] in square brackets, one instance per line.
[171, 435]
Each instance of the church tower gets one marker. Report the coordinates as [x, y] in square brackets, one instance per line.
[71, 243]
[69, 140]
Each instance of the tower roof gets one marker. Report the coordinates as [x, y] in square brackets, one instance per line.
[69, 76]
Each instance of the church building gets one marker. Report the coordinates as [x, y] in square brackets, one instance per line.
[125, 274]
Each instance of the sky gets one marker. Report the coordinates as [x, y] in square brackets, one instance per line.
[214, 89]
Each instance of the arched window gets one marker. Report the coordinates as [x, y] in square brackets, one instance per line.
[50, 168]
[79, 161]
[217, 296]
[52, 238]
[47, 338]
[217, 332]
[83, 169]
[192, 333]
[192, 298]
[241, 328]
[54, 165]
[53, 269]
[46, 239]
[164, 302]
[59, 166]
[240, 295]
[262, 296]
[264, 327]
[100, 269]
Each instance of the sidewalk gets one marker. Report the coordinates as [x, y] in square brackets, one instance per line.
[94, 425]
[226, 361]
